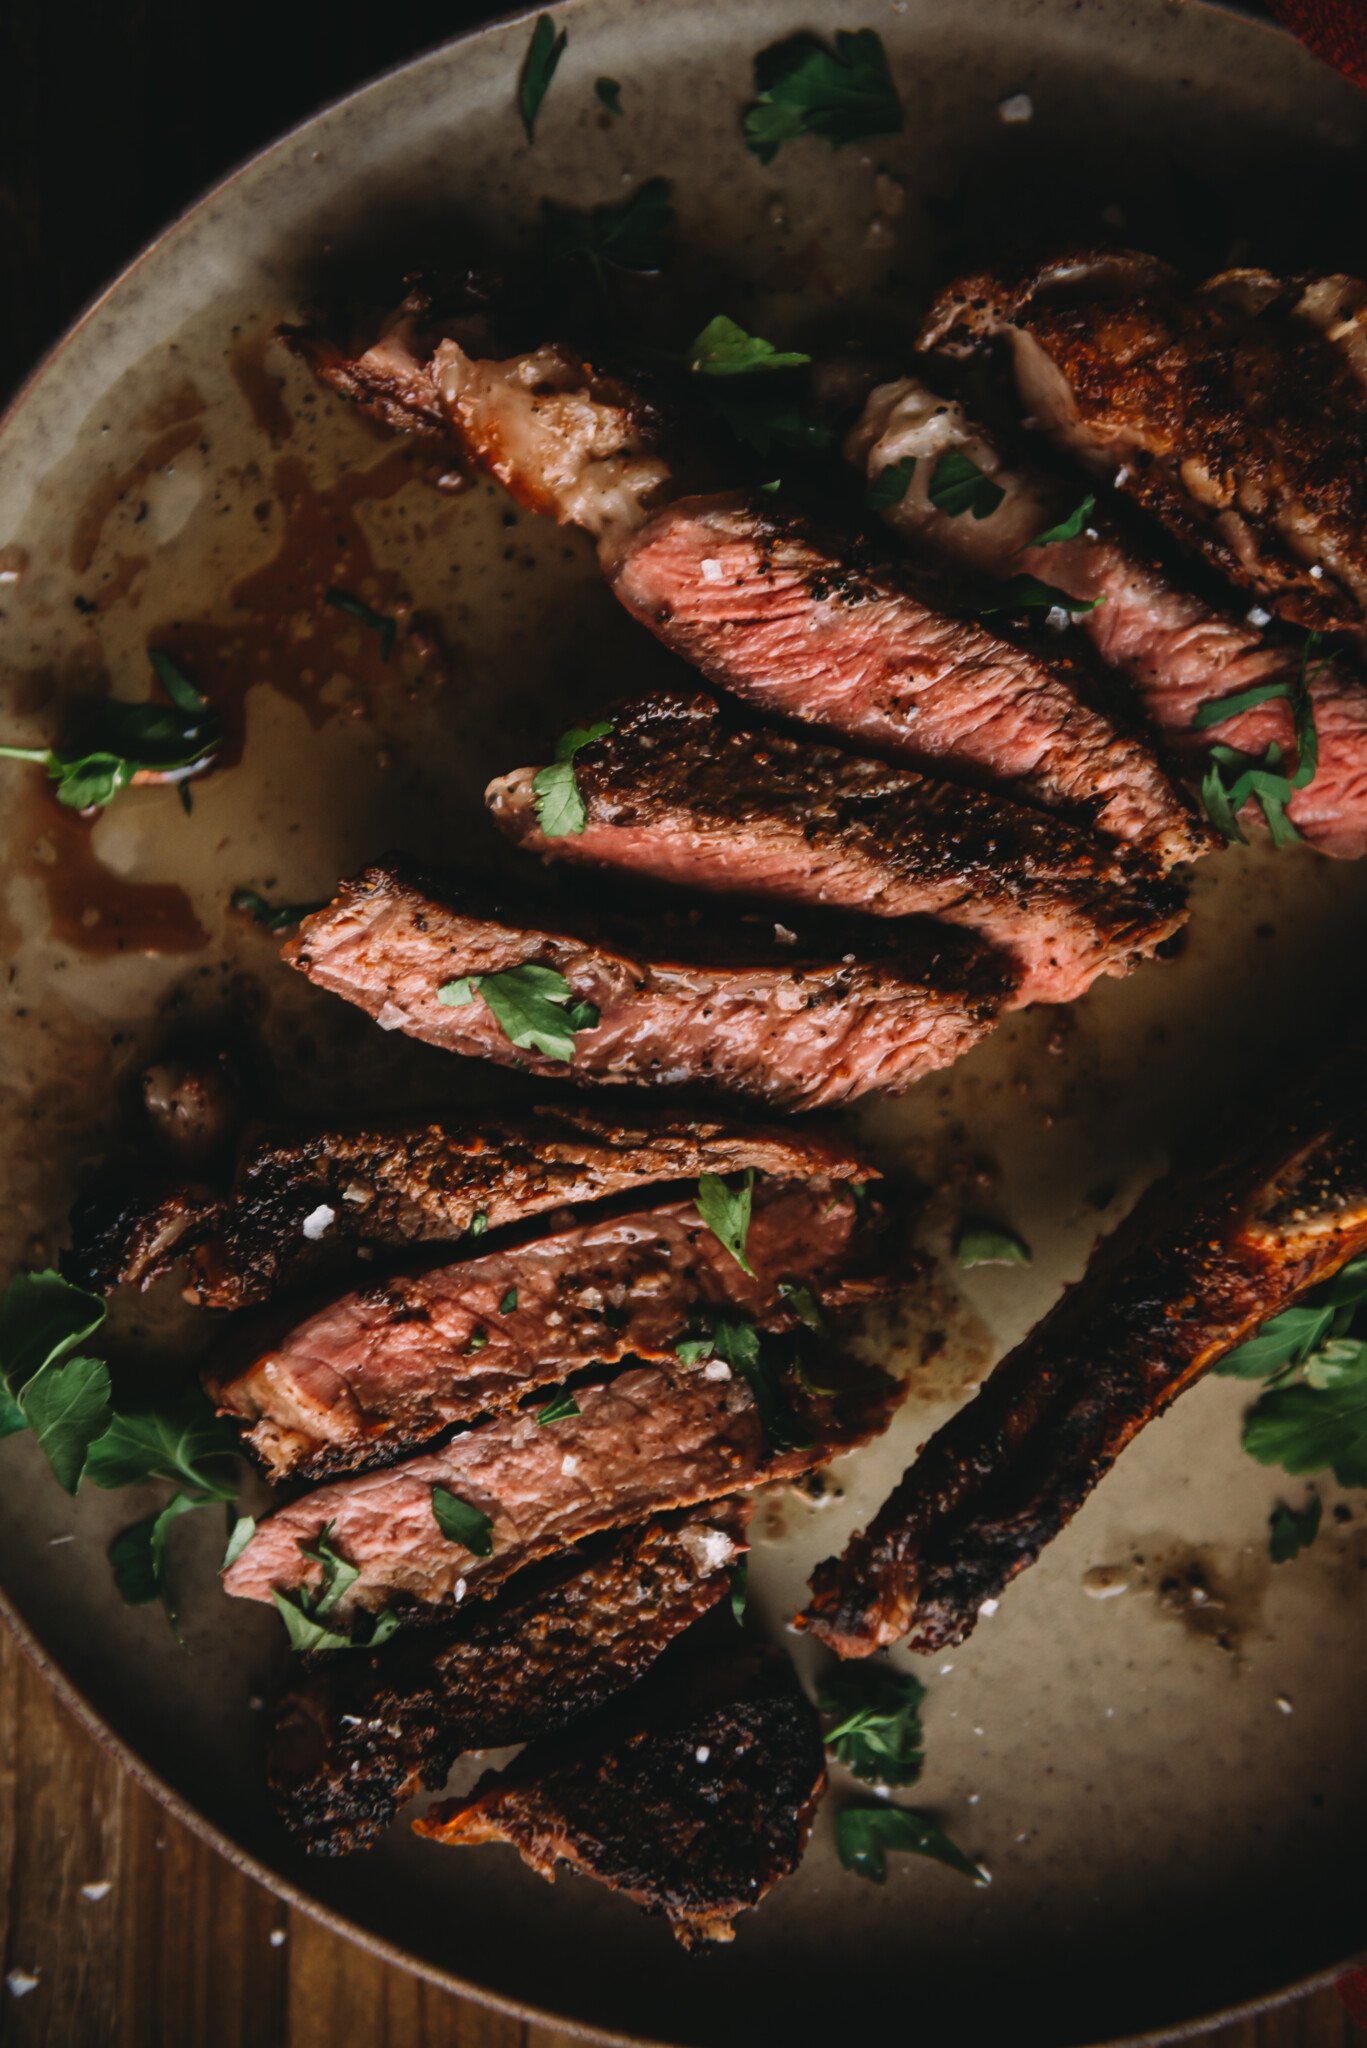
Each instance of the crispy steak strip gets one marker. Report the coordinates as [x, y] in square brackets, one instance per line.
[1177, 650]
[357, 1736]
[799, 1022]
[655, 1438]
[682, 790]
[1206, 1257]
[693, 1795]
[1234, 411]
[374, 1375]
[396, 1184]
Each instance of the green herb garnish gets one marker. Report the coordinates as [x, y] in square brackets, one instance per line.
[989, 1244]
[631, 235]
[1028, 594]
[610, 95]
[273, 917]
[560, 810]
[559, 1410]
[724, 349]
[478, 1224]
[124, 740]
[891, 484]
[865, 1834]
[534, 1007]
[1233, 778]
[726, 1212]
[803, 1304]
[508, 1303]
[1290, 1533]
[240, 1535]
[738, 1343]
[461, 1523]
[538, 69]
[67, 1407]
[1313, 1417]
[304, 1615]
[182, 1440]
[959, 486]
[877, 1731]
[385, 628]
[1067, 529]
[844, 93]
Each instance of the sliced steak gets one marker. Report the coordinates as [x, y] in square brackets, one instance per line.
[357, 1736]
[797, 1020]
[398, 1184]
[655, 1438]
[784, 618]
[1205, 1258]
[681, 790]
[1233, 411]
[692, 1796]
[1177, 650]
[375, 1374]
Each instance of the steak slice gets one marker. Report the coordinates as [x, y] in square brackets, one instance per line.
[692, 1796]
[355, 1737]
[683, 791]
[381, 1370]
[403, 1184]
[1178, 651]
[794, 624]
[657, 1437]
[798, 1020]
[1233, 411]
[1205, 1258]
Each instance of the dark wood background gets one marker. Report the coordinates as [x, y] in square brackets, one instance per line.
[115, 114]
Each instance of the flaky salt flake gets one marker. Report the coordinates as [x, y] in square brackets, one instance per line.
[1256, 616]
[21, 1982]
[989, 1606]
[318, 1221]
[702, 1753]
[95, 1892]
[277, 1937]
[1283, 1704]
[716, 1369]
[711, 569]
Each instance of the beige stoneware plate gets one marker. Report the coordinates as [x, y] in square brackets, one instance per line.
[1167, 1786]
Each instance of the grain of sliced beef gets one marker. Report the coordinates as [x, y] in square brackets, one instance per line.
[798, 622]
[355, 1737]
[388, 1184]
[377, 1372]
[693, 1795]
[1178, 650]
[685, 792]
[1206, 1257]
[797, 1019]
[1234, 410]
[655, 1438]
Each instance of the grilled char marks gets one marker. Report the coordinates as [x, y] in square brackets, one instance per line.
[692, 1796]
[1234, 411]
[1205, 1258]
[681, 790]
[809, 627]
[378, 1372]
[357, 1736]
[799, 1019]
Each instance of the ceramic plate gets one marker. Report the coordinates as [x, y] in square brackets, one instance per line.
[1167, 1786]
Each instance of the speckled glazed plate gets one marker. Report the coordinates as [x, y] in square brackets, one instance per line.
[1168, 1786]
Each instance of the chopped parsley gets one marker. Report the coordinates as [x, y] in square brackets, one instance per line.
[1067, 529]
[560, 809]
[478, 1223]
[534, 1007]
[631, 235]
[865, 1834]
[272, 917]
[462, 1523]
[989, 1244]
[305, 1615]
[842, 92]
[384, 628]
[891, 484]
[1313, 1359]
[508, 1303]
[959, 486]
[609, 94]
[724, 349]
[1233, 778]
[559, 1410]
[877, 1725]
[1289, 1532]
[1029, 594]
[726, 1212]
[121, 741]
[538, 69]
[803, 1304]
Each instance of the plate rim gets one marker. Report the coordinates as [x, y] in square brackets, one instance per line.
[62, 1686]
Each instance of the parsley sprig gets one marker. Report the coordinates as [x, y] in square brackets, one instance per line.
[877, 1722]
[959, 486]
[865, 1834]
[843, 92]
[538, 69]
[724, 349]
[1233, 778]
[726, 1212]
[305, 1614]
[534, 1007]
[560, 809]
[121, 741]
[1313, 1360]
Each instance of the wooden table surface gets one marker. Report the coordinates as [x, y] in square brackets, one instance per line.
[112, 117]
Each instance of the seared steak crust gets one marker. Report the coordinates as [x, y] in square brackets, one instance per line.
[692, 1796]
[357, 1736]
[811, 628]
[395, 1184]
[655, 1438]
[800, 1021]
[682, 790]
[375, 1374]
[1234, 411]
[1206, 1257]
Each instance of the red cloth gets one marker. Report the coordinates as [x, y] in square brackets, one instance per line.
[1334, 29]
